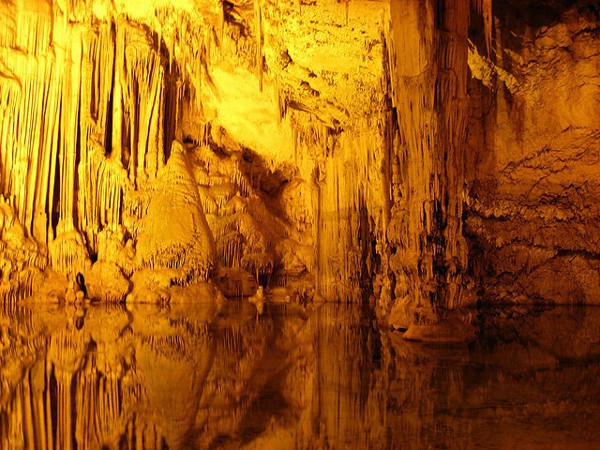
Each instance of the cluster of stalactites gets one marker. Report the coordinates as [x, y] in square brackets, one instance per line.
[346, 184]
[82, 114]
[234, 212]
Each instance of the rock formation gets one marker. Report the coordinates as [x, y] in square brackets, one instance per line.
[416, 155]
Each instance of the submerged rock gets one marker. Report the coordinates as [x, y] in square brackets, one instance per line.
[449, 331]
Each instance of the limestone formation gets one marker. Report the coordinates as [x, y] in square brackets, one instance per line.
[417, 155]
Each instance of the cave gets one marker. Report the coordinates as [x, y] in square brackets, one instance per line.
[304, 224]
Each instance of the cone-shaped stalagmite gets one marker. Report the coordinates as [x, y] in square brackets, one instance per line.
[174, 234]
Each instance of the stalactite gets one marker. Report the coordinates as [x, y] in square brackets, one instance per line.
[484, 7]
[258, 27]
[140, 90]
[102, 180]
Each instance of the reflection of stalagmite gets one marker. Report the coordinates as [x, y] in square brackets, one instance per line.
[174, 353]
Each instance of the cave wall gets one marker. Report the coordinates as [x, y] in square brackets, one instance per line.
[196, 139]
[520, 184]
[533, 217]
[417, 154]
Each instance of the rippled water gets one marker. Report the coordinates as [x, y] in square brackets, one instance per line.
[195, 376]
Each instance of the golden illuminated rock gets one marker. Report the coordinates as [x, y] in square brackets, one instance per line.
[420, 155]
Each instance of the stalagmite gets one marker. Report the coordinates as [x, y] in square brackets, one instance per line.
[183, 241]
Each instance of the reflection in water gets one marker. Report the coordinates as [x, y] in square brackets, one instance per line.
[194, 376]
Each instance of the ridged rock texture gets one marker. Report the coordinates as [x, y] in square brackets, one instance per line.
[534, 216]
[419, 155]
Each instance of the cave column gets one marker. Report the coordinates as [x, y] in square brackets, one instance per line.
[429, 76]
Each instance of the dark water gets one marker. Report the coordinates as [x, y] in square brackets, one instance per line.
[194, 376]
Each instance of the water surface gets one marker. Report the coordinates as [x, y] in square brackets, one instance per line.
[198, 376]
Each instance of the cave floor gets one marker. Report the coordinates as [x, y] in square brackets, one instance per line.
[326, 376]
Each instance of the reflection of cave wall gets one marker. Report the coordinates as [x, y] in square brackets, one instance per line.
[100, 377]
[200, 377]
